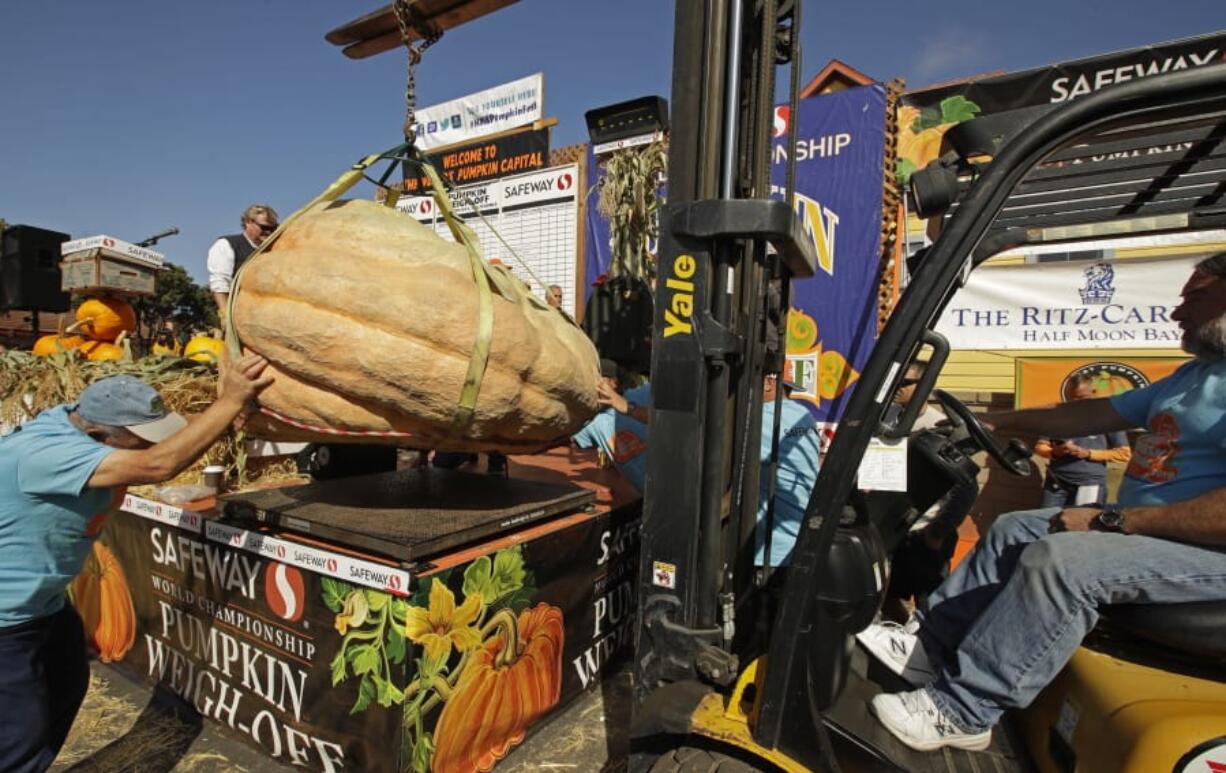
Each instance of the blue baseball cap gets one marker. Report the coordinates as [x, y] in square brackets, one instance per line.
[128, 402]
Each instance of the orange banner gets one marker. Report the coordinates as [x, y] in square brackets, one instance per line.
[1048, 380]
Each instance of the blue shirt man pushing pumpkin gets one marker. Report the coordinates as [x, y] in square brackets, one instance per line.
[60, 474]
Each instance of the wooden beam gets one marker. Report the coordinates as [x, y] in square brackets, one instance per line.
[378, 31]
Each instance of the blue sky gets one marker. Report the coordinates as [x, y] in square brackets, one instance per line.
[128, 116]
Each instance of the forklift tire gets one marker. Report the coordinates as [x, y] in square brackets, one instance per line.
[688, 759]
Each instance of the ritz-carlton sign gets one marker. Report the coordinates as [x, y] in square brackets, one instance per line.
[1105, 305]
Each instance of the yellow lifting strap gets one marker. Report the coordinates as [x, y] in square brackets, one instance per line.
[464, 235]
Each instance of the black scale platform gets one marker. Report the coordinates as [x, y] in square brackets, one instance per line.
[408, 514]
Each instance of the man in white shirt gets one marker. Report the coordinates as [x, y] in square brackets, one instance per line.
[229, 253]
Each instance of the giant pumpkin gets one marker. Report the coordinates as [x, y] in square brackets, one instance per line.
[500, 695]
[100, 594]
[368, 319]
[105, 318]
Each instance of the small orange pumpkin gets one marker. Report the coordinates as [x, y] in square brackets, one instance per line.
[494, 704]
[105, 318]
[55, 343]
[102, 350]
[204, 349]
[100, 594]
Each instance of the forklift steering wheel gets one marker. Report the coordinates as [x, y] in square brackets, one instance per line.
[1015, 457]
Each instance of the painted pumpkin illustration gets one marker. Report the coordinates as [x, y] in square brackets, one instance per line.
[105, 318]
[834, 375]
[501, 693]
[100, 594]
[802, 331]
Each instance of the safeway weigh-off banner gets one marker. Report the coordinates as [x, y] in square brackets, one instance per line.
[330, 662]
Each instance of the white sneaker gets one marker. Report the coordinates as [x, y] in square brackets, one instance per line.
[900, 650]
[915, 720]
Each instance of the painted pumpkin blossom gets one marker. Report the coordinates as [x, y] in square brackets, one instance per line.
[443, 625]
[354, 612]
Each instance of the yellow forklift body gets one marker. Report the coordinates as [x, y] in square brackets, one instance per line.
[1103, 714]
[729, 723]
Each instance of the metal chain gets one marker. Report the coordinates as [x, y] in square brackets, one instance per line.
[407, 20]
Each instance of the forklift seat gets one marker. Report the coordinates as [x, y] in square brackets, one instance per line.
[1194, 628]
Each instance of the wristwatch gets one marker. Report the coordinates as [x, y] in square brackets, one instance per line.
[1110, 519]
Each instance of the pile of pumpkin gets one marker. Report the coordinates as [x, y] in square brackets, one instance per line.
[102, 325]
[100, 331]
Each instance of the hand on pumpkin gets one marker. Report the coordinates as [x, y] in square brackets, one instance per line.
[607, 397]
[242, 381]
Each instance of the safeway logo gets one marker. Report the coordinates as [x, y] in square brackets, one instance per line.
[565, 182]
[280, 551]
[108, 242]
[426, 207]
[393, 582]
[331, 565]
[285, 591]
[783, 114]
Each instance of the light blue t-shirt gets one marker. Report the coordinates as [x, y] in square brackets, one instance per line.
[48, 517]
[1183, 455]
[622, 438]
[799, 449]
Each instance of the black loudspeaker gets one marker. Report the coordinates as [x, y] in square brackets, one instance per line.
[30, 269]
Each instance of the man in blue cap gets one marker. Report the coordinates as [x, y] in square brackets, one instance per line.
[60, 474]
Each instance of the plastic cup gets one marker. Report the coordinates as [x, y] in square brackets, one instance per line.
[213, 476]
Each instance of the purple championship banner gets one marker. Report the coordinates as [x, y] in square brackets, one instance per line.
[832, 325]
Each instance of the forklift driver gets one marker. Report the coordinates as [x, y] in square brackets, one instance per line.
[1013, 613]
[620, 432]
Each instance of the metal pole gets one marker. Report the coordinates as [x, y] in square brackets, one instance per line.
[710, 556]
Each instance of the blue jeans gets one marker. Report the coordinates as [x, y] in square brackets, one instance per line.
[44, 673]
[1013, 613]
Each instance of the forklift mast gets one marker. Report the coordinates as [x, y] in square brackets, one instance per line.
[709, 345]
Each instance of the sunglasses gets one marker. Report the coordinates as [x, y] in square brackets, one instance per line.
[909, 382]
[265, 227]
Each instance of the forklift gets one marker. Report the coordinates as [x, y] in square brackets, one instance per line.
[739, 667]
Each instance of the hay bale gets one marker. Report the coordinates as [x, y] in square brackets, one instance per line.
[30, 385]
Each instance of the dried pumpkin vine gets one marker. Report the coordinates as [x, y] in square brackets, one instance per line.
[630, 200]
[377, 628]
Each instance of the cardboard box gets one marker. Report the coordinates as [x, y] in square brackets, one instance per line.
[95, 273]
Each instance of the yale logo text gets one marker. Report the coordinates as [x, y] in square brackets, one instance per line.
[679, 313]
